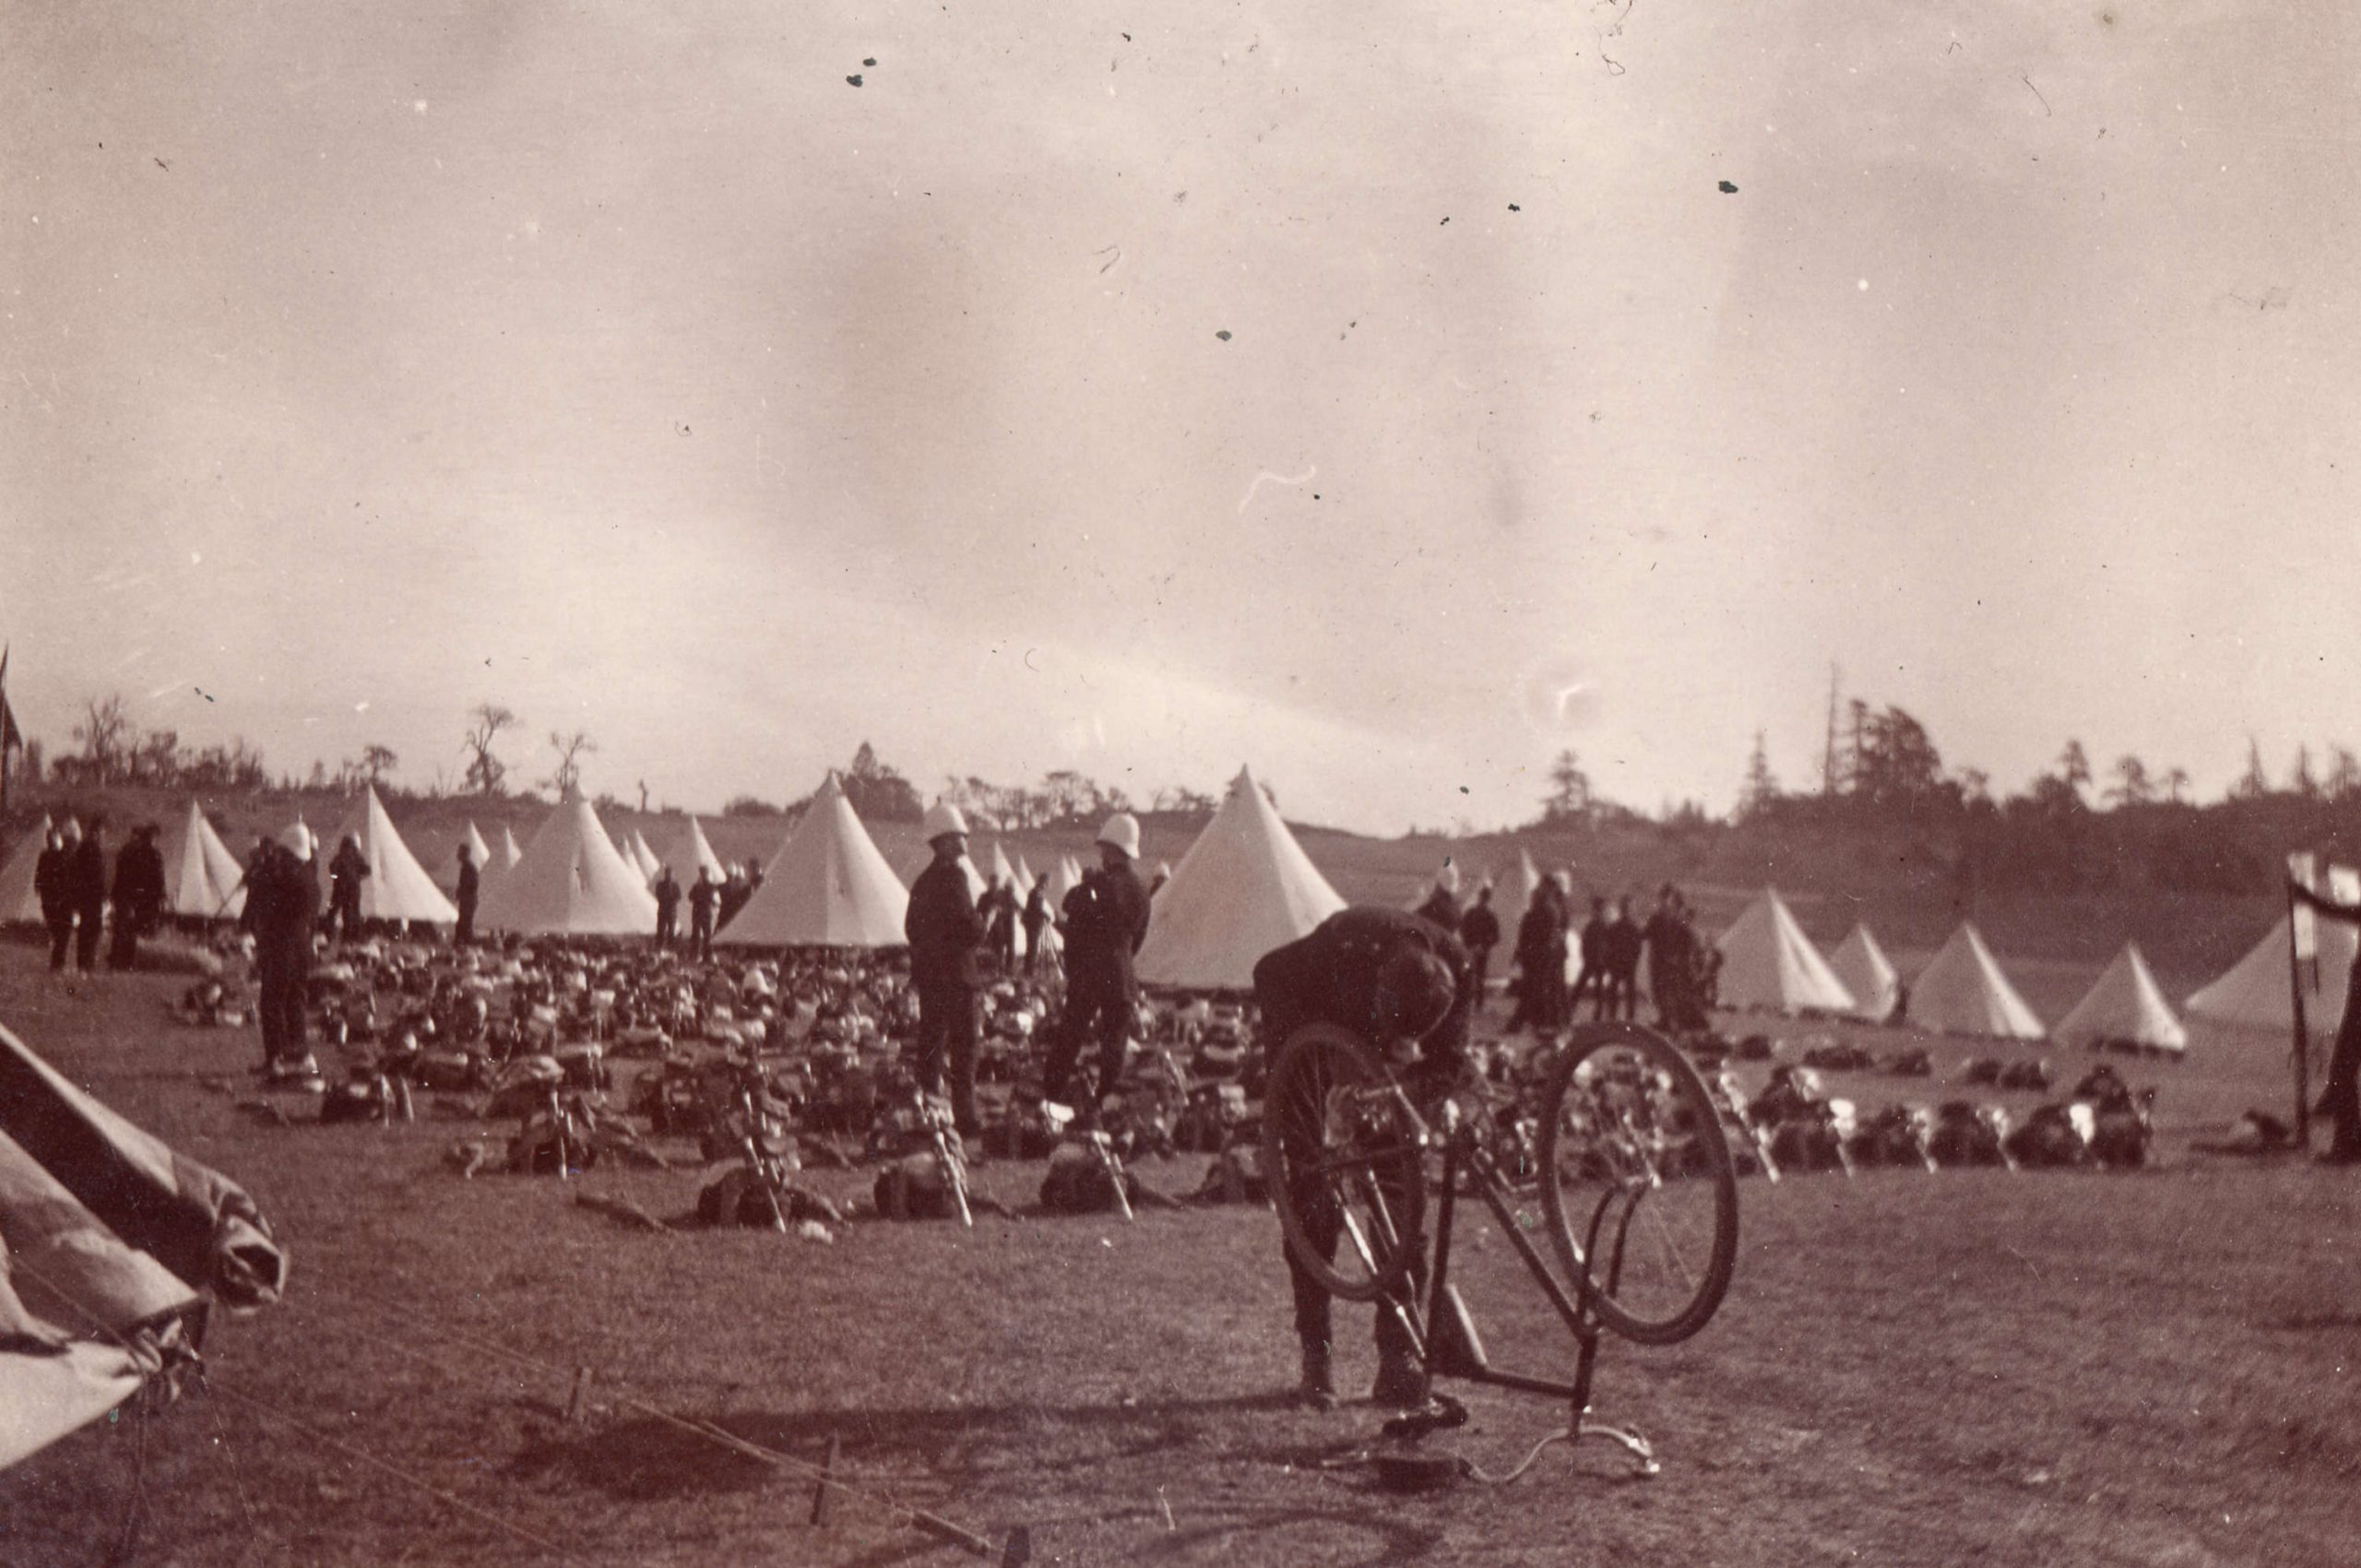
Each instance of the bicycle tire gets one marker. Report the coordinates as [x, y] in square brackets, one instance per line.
[1309, 1120]
[1632, 1123]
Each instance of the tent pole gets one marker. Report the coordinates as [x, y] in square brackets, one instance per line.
[2302, 1056]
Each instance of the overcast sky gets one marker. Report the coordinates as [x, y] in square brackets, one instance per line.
[1331, 386]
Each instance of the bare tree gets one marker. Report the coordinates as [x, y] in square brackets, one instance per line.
[484, 770]
[2133, 787]
[105, 733]
[2175, 783]
[571, 750]
[376, 761]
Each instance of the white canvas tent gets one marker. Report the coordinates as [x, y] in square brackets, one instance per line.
[397, 887]
[1768, 963]
[19, 901]
[828, 886]
[508, 853]
[446, 876]
[1025, 878]
[571, 881]
[2126, 1005]
[1244, 887]
[1963, 991]
[2254, 994]
[1868, 973]
[201, 876]
[1064, 877]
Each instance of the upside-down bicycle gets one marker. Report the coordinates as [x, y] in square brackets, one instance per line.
[1635, 1181]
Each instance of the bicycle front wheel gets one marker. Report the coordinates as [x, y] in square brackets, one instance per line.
[1638, 1182]
[1341, 1155]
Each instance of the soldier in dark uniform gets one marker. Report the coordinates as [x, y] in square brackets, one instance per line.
[85, 887]
[49, 881]
[1395, 980]
[1479, 933]
[944, 930]
[1106, 920]
[998, 908]
[347, 871]
[1035, 921]
[138, 896]
[1624, 944]
[1541, 961]
[667, 908]
[1593, 981]
[2341, 1094]
[705, 894]
[283, 906]
[471, 881]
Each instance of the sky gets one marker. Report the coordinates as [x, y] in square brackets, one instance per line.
[1384, 394]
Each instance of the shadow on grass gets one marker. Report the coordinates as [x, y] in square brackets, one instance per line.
[644, 1459]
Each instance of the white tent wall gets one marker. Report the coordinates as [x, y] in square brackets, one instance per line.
[201, 876]
[19, 903]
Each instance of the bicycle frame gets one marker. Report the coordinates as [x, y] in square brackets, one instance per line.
[1454, 1352]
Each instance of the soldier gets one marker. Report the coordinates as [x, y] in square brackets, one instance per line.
[1397, 981]
[138, 896]
[1035, 921]
[1623, 944]
[1442, 903]
[469, 881]
[347, 871]
[1595, 979]
[282, 906]
[704, 895]
[50, 884]
[667, 908]
[1106, 920]
[85, 890]
[944, 930]
[1479, 933]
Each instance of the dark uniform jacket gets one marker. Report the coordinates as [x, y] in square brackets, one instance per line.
[86, 878]
[138, 882]
[944, 929]
[51, 875]
[282, 906]
[470, 880]
[1106, 920]
[1443, 908]
[1037, 912]
[1330, 977]
[1479, 929]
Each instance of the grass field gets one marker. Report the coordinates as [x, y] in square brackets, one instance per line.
[2141, 1369]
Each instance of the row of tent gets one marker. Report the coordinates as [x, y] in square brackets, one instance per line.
[1244, 887]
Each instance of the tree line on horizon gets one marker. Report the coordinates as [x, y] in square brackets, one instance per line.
[2070, 828]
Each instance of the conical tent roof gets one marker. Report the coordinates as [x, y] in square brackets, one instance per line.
[688, 849]
[828, 886]
[17, 899]
[1025, 878]
[508, 854]
[447, 873]
[1768, 962]
[2125, 1005]
[201, 876]
[397, 887]
[1064, 877]
[1963, 991]
[1000, 868]
[1244, 887]
[571, 883]
[2254, 993]
[643, 857]
[1868, 973]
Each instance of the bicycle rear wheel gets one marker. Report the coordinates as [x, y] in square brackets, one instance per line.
[1638, 1184]
[1342, 1157]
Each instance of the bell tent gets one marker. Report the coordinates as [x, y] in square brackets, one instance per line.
[1963, 991]
[201, 876]
[397, 887]
[571, 881]
[19, 901]
[1244, 887]
[2124, 1007]
[828, 886]
[1769, 964]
